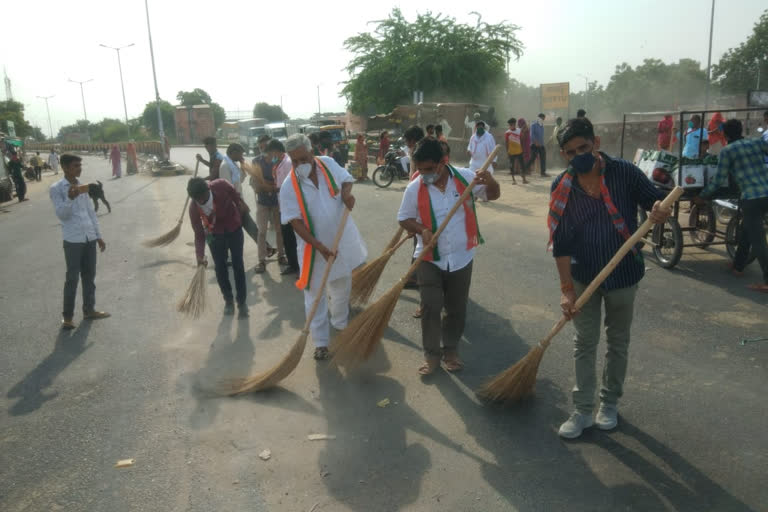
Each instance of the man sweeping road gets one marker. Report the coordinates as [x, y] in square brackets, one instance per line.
[214, 213]
[593, 211]
[312, 199]
[445, 275]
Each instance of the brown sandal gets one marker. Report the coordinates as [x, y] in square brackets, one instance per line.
[452, 362]
[428, 367]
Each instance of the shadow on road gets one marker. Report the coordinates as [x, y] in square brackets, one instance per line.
[68, 346]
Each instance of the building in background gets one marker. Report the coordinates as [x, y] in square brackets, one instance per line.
[194, 123]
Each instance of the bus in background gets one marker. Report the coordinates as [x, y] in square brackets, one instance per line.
[279, 131]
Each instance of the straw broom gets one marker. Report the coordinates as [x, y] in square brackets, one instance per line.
[173, 234]
[193, 302]
[518, 381]
[359, 340]
[284, 368]
[366, 277]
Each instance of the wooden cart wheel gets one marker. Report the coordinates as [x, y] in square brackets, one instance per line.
[668, 243]
[702, 218]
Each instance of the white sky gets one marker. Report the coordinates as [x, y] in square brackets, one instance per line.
[243, 52]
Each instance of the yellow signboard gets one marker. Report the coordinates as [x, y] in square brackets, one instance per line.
[555, 96]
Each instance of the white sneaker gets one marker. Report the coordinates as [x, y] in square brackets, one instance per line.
[575, 425]
[607, 417]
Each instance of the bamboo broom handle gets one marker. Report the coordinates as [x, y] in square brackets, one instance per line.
[186, 201]
[448, 217]
[668, 201]
[328, 265]
[396, 237]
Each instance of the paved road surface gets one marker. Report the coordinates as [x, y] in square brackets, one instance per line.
[693, 422]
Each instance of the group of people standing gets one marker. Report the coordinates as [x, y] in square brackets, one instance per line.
[115, 158]
[15, 163]
[526, 144]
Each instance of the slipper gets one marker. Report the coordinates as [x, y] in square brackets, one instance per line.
[419, 311]
[453, 363]
[271, 251]
[759, 287]
[321, 354]
[428, 367]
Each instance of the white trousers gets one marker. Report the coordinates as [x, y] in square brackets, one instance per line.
[338, 291]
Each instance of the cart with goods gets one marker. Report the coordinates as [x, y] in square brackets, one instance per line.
[704, 226]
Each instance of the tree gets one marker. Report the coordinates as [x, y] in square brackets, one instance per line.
[14, 111]
[737, 70]
[434, 54]
[37, 134]
[269, 112]
[200, 97]
[168, 113]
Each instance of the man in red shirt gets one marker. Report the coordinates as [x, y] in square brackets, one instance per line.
[214, 213]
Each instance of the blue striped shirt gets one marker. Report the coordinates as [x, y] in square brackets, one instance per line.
[587, 234]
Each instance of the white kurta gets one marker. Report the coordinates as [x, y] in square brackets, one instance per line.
[325, 212]
[481, 148]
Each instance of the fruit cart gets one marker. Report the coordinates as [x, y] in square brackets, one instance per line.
[667, 170]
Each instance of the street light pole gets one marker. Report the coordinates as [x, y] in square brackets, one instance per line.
[586, 89]
[709, 57]
[82, 94]
[154, 76]
[50, 127]
[318, 101]
[122, 86]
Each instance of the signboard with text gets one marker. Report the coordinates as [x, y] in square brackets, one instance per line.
[11, 128]
[555, 96]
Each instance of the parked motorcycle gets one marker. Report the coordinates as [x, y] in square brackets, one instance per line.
[392, 169]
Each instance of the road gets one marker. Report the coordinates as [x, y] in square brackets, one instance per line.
[692, 433]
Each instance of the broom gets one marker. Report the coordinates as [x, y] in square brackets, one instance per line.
[284, 368]
[173, 234]
[193, 302]
[358, 341]
[518, 381]
[365, 278]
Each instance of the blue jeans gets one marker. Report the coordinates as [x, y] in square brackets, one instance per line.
[221, 245]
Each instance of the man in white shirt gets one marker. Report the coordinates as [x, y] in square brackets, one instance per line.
[481, 145]
[312, 200]
[446, 272]
[80, 230]
[53, 161]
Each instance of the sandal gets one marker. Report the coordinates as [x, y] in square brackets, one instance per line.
[428, 367]
[271, 251]
[321, 353]
[419, 311]
[452, 362]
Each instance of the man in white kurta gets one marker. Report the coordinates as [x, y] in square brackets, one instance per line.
[325, 210]
[481, 145]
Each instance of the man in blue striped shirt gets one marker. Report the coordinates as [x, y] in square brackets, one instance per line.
[593, 211]
[743, 159]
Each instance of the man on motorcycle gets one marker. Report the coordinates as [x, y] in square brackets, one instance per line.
[743, 159]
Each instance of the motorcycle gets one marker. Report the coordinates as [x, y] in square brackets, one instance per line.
[385, 174]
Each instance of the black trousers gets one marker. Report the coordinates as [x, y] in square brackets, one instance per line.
[753, 235]
[541, 152]
[289, 242]
[81, 264]
[38, 173]
[21, 187]
[232, 244]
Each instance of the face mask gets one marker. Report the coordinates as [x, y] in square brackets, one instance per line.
[583, 163]
[690, 124]
[429, 179]
[303, 170]
[274, 159]
[480, 132]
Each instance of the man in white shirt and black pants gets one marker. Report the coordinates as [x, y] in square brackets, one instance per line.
[445, 274]
[80, 230]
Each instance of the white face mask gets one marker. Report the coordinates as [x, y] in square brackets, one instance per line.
[303, 170]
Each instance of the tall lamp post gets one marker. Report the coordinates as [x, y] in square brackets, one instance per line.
[709, 56]
[82, 96]
[122, 86]
[50, 127]
[154, 76]
[586, 89]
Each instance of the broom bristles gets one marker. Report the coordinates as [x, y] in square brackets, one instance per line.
[165, 239]
[272, 376]
[365, 279]
[516, 382]
[193, 302]
[360, 339]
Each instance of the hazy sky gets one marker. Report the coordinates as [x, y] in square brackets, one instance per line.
[243, 52]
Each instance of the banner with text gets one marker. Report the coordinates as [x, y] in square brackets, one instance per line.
[555, 96]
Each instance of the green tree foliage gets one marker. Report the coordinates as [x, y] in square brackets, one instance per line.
[106, 130]
[269, 112]
[149, 118]
[14, 111]
[199, 97]
[434, 54]
[737, 70]
[38, 134]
